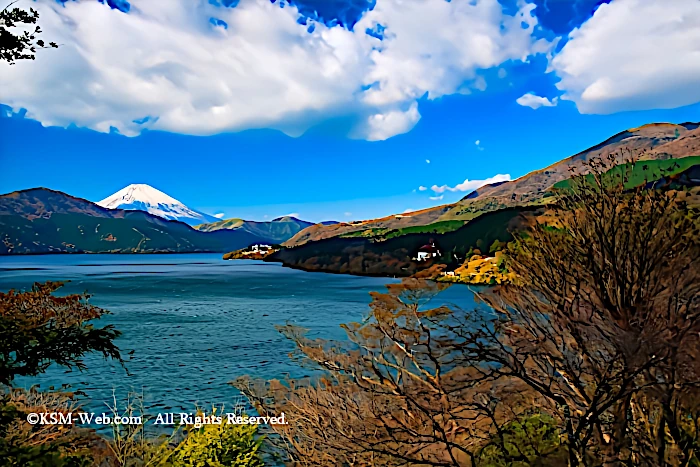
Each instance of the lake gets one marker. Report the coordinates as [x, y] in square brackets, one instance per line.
[195, 322]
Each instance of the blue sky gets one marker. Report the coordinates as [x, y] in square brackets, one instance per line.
[265, 111]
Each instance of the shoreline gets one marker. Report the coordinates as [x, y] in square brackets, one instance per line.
[294, 267]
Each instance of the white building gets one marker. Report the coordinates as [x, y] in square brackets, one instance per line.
[427, 252]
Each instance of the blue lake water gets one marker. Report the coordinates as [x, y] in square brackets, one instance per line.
[195, 322]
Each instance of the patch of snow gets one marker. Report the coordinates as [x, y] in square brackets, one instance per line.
[142, 197]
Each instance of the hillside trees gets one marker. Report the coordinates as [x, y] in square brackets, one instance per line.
[591, 358]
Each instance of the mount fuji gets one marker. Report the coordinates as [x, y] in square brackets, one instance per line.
[143, 197]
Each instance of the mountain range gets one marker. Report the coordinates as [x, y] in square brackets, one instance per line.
[142, 197]
[137, 219]
[140, 218]
[40, 220]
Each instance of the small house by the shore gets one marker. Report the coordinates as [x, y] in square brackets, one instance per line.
[427, 252]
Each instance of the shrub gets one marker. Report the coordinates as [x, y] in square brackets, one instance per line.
[220, 445]
[522, 442]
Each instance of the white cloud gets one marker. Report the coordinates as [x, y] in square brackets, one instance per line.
[427, 161]
[437, 198]
[408, 210]
[395, 122]
[219, 215]
[535, 102]
[502, 73]
[163, 60]
[422, 188]
[348, 214]
[471, 185]
[633, 55]
[480, 83]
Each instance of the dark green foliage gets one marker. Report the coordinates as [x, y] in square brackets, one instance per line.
[497, 245]
[19, 46]
[38, 329]
[533, 440]
[29, 352]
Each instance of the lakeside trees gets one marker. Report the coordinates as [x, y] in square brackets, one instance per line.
[39, 329]
[592, 358]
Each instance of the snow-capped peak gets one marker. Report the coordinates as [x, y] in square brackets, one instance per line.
[144, 197]
[138, 192]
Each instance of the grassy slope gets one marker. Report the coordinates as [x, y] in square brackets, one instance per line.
[641, 172]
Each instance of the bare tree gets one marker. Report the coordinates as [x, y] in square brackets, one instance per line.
[599, 334]
[403, 391]
[604, 321]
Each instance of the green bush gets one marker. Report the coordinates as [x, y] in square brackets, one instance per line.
[524, 442]
[221, 445]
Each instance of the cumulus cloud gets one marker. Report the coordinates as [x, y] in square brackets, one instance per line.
[422, 188]
[471, 185]
[535, 102]
[633, 55]
[395, 122]
[219, 215]
[172, 69]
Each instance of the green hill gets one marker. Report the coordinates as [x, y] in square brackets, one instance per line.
[275, 231]
[642, 172]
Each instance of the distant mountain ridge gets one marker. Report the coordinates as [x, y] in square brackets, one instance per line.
[277, 231]
[142, 197]
[41, 220]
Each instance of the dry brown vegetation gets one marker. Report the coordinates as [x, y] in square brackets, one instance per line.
[592, 358]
